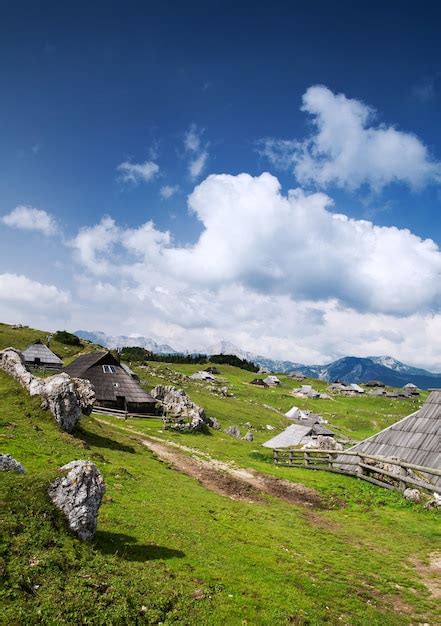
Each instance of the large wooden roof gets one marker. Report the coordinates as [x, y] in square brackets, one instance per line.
[414, 439]
[108, 384]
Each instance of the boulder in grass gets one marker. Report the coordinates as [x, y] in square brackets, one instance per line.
[233, 431]
[414, 495]
[9, 464]
[67, 398]
[249, 436]
[78, 494]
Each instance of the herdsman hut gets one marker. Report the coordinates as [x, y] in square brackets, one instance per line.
[115, 388]
[414, 439]
[38, 356]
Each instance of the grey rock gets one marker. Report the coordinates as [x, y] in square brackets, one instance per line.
[233, 431]
[215, 424]
[249, 436]
[176, 403]
[78, 495]
[9, 464]
[67, 398]
[434, 503]
[414, 495]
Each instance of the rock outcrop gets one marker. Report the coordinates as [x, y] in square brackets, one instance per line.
[414, 495]
[177, 404]
[233, 431]
[78, 495]
[9, 464]
[67, 398]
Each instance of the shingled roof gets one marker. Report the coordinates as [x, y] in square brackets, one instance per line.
[109, 383]
[43, 354]
[414, 439]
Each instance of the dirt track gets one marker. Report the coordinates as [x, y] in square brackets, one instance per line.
[238, 484]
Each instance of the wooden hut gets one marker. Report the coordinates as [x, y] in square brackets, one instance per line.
[115, 388]
[38, 356]
[414, 439]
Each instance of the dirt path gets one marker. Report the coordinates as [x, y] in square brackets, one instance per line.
[431, 573]
[238, 484]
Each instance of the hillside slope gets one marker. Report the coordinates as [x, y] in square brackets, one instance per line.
[170, 549]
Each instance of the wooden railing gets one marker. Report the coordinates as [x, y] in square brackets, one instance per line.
[363, 466]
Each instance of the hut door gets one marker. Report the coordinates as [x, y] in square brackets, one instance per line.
[121, 403]
[37, 360]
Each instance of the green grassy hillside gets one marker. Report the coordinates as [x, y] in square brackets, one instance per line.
[170, 550]
[22, 337]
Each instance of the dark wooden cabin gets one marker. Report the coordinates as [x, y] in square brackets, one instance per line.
[115, 388]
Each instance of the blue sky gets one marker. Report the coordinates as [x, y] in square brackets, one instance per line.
[104, 106]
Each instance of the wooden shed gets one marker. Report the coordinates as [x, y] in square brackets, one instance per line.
[414, 439]
[115, 387]
[39, 356]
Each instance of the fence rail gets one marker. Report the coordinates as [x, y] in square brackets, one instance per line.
[378, 470]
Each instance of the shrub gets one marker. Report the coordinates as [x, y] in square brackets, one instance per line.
[62, 336]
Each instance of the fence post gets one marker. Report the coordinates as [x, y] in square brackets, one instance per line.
[291, 457]
[276, 456]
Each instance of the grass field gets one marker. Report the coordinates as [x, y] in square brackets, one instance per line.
[168, 550]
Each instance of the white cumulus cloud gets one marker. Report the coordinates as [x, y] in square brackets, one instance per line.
[294, 245]
[29, 218]
[347, 149]
[136, 173]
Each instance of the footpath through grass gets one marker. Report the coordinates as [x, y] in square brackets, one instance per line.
[168, 550]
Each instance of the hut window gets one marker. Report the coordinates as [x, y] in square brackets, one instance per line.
[109, 369]
[115, 385]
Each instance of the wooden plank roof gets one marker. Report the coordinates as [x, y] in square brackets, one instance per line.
[414, 439]
[108, 384]
[42, 352]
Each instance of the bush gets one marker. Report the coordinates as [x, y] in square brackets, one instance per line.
[62, 336]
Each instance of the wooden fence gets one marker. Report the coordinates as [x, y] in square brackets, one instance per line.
[374, 469]
[102, 410]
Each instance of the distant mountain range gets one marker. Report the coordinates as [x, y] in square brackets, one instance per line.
[121, 341]
[349, 369]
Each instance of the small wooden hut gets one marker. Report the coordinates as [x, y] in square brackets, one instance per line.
[39, 356]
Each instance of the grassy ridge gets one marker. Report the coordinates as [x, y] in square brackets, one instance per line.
[21, 338]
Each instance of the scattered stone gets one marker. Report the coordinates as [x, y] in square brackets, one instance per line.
[247, 425]
[67, 398]
[78, 495]
[434, 503]
[215, 424]
[233, 431]
[269, 427]
[249, 436]
[414, 495]
[9, 464]
[177, 404]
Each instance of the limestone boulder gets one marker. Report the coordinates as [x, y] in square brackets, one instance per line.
[414, 495]
[9, 464]
[78, 494]
[233, 431]
[176, 403]
[67, 398]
